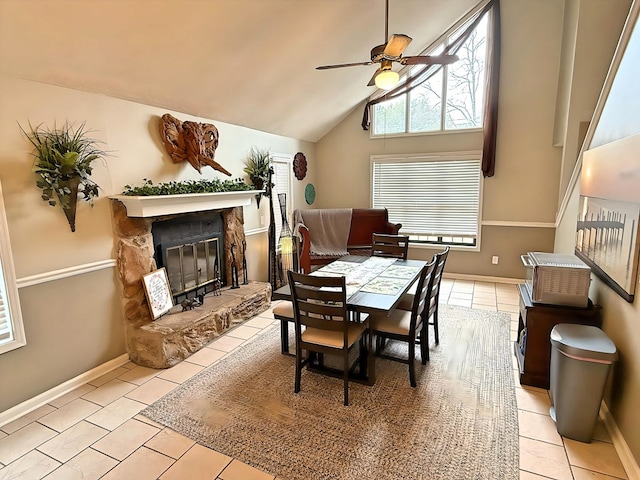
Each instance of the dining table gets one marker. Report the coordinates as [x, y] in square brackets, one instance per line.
[374, 285]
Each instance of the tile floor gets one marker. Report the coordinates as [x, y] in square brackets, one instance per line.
[96, 431]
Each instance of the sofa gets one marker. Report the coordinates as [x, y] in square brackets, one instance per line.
[327, 234]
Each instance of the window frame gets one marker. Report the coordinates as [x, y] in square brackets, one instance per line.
[287, 160]
[435, 156]
[8, 278]
[437, 44]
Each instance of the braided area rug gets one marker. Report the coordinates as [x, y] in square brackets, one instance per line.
[460, 422]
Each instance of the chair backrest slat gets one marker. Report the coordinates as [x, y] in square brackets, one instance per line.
[393, 246]
[319, 302]
[421, 298]
[440, 259]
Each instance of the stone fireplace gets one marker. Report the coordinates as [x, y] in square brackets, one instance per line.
[166, 341]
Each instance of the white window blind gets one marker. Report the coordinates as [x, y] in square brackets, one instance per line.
[6, 333]
[281, 178]
[432, 196]
[11, 329]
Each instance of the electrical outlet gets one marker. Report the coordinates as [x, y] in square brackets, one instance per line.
[494, 260]
[263, 220]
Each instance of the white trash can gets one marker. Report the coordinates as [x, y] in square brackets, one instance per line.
[581, 357]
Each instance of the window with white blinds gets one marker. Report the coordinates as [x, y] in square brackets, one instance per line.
[282, 165]
[11, 329]
[6, 333]
[437, 198]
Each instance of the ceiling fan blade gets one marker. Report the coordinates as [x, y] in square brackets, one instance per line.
[396, 44]
[372, 82]
[429, 60]
[326, 67]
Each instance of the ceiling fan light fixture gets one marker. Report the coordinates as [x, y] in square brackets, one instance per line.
[387, 79]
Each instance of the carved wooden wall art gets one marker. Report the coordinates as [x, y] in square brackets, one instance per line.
[300, 165]
[191, 141]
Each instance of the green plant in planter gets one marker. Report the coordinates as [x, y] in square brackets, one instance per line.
[63, 160]
[187, 186]
[258, 167]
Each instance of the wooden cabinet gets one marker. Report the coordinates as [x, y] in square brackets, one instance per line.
[533, 346]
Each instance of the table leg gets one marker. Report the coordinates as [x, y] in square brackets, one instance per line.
[371, 361]
[284, 336]
[367, 357]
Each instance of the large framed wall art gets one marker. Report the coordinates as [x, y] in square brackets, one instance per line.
[609, 213]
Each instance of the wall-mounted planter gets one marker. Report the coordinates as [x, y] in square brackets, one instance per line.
[63, 158]
[69, 202]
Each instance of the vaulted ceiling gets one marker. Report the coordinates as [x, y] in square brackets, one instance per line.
[244, 62]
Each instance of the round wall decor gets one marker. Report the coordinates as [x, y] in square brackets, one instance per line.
[310, 193]
[300, 165]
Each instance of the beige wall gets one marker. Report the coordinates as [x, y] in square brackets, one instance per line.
[523, 191]
[74, 324]
[621, 320]
[528, 169]
[587, 56]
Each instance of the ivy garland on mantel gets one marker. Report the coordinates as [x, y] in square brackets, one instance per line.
[187, 186]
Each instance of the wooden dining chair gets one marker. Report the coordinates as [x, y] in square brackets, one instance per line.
[322, 322]
[407, 326]
[393, 246]
[406, 302]
[283, 311]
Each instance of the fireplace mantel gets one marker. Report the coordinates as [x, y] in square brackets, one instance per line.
[158, 205]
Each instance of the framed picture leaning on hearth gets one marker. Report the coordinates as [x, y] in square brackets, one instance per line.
[158, 292]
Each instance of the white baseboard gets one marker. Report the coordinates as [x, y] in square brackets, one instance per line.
[482, 278]
[45, 397]
[626, 457]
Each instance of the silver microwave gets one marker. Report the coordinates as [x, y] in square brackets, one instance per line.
[557, 279]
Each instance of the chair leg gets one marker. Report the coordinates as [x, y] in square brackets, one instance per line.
[362, 363]
[424, 344]
[296, 388]
[284, 336]
[435, 326]
[412, 363]
[346, 378]
[371, 368]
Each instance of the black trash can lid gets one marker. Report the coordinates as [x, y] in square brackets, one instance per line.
[583, 341]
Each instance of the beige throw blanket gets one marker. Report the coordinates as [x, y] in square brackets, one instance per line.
[328, 229]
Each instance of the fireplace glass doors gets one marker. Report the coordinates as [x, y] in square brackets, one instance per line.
[191, 248]
[192, 265]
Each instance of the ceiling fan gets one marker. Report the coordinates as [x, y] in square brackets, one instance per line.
[389, 52]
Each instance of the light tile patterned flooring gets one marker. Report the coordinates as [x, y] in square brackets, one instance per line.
[96, 431]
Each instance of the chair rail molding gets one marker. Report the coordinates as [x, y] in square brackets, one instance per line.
[506, 223]
[64, 273]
